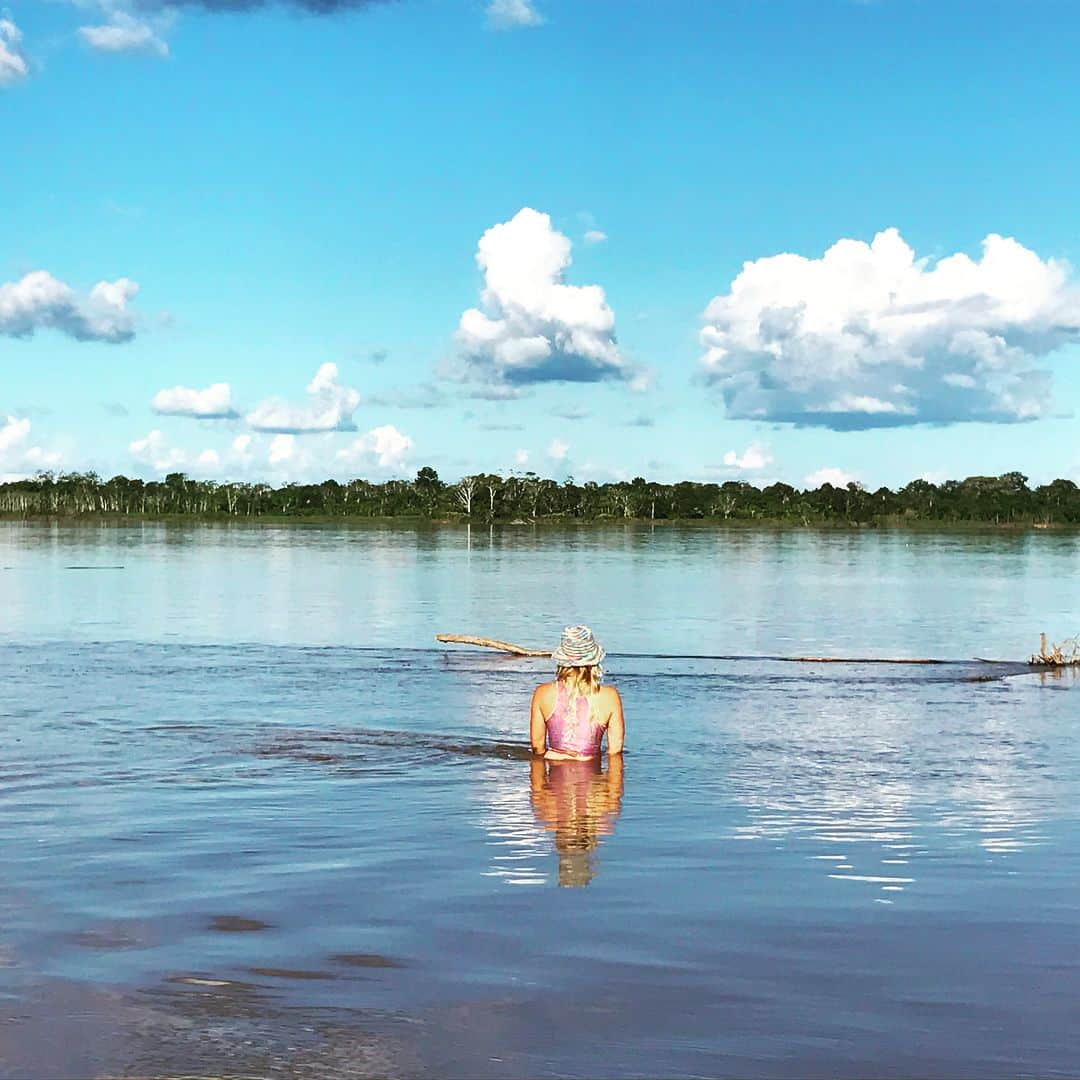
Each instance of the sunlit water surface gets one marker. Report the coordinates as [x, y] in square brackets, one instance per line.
[253, 821]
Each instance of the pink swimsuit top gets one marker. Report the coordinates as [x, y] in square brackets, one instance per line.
[573, 733]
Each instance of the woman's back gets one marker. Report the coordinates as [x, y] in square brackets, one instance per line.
[574, 726]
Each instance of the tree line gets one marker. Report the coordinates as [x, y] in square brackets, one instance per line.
[485, 497]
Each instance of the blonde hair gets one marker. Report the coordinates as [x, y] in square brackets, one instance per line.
[579, 682]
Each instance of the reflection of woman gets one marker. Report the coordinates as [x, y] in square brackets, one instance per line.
[578, 802]
[569, 717]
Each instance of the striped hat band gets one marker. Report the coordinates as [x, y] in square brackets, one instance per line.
[578, 648]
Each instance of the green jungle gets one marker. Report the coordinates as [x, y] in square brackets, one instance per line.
[978, 500]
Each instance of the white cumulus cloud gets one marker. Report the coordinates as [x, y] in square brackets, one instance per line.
[276, 458]
[18, 458]
[13, 433]
[381, 450]
[521, 458]
[213, 403]
[385, 447]
[154, 451]
[837, 477]
[39, 301]
[595, 236]
[530, 326]
[558, 450]
[869, 335]
[282, 449]
[123, 32]
[513, 14]
[752, 459]
[330, 408]
[13, 65]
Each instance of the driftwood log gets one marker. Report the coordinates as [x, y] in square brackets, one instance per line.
[491, 643]
[1067, 654]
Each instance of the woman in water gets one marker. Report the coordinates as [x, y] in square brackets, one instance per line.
[569, 716]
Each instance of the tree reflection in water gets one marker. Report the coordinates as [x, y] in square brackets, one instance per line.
[578, 802]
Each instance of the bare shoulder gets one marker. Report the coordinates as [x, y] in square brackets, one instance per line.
[544, 693]
[610, 695]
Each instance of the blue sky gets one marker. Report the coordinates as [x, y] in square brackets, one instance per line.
[291, 190]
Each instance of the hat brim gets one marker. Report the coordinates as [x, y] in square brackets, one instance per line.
[592, 660]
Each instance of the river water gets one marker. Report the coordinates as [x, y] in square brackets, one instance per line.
[255, 822]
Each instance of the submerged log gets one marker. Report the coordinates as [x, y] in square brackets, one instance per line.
[858, 660]
[521, 650]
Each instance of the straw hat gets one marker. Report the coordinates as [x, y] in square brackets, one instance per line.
[578, 648]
